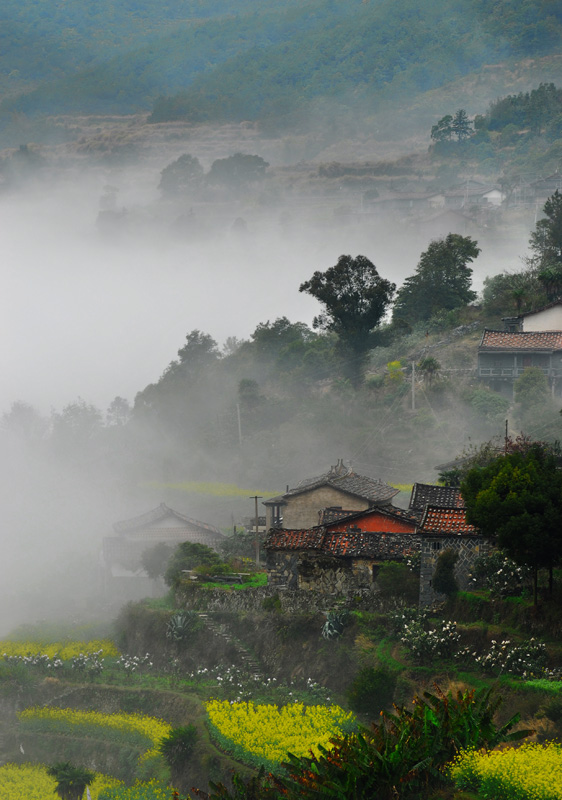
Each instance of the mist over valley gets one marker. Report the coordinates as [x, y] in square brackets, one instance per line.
[245, 245]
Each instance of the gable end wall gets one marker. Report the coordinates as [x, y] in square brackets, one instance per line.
[302, 510]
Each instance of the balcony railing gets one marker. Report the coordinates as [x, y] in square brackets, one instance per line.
[514, 372]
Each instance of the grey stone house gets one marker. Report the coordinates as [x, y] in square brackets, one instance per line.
[346, 553]
[447, 529]
[332, 562]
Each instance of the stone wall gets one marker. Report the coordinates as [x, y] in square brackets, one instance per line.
[322, 571]
[326, 574]
[469, 549]
[282, 568]
[298, 601]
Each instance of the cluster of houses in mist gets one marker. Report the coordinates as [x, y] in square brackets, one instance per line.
[462, 207]
[331, 533]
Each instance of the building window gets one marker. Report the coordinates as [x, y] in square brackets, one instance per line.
[436, 545]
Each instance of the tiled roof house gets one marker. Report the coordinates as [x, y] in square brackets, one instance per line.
[345, 553]
[340, 487]
[121, 553]
[424, 494]
[532, 339]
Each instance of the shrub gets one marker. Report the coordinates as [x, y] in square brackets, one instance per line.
[371, 691]
[444, 581]
[177, 748]
[526, 660]
[424, 642]
[188, 556]
[71, 780]
[335, 623]
[396, 579]
[272, 603]
[502, 576]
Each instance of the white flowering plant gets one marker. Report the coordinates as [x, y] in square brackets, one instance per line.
[526, 660]
[426, 641]
[502, 576]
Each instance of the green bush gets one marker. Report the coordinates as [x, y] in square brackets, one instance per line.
[444, 581]
[189, 556]
[396, 579]
[272, 603]
[371, 691]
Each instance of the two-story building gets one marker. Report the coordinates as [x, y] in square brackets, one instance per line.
[533, 339]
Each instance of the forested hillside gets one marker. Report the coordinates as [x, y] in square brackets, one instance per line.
[246, 60]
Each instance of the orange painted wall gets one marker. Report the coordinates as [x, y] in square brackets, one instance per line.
[374, 523]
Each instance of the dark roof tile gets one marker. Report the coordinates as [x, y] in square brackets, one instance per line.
[424, 494]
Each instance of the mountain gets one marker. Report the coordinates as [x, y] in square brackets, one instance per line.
[266, 60]
[245, 59]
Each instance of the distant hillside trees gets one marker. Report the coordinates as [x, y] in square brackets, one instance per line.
[458, 126]
[237, 170]
[355, 298]
[546, 244]
[534, 110]
[442, 280]
[186, 174]
[182, 175]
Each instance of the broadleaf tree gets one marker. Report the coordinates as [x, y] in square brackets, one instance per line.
[355, 298]
[442, 280]
[517, 500]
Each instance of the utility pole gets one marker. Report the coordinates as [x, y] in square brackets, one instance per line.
[239, 424]
[257, 521]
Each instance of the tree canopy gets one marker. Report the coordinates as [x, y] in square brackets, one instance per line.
[546, 243]
[188, 556]
[517, 499]
[442, 279]
[448, 126]
[182, 175]
[355, 298]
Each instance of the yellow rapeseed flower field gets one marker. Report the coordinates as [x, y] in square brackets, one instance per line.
[150, 790]
[530, 772]
[270, 732]
[30, 781]
[138, 729]
[64, 650]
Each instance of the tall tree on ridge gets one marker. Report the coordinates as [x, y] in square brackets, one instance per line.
[442, 279]
[355, 298]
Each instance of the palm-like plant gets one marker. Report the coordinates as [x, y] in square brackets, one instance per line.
[71, 781]
[177, 748]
